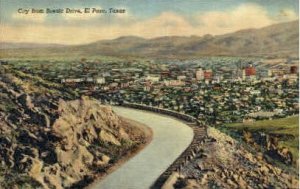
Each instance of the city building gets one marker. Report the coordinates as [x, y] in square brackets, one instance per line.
[199, 74]
[100, 80]
[294, 69]
[153, 78]
[208, 74]
[181, 77]
[250, 71]
[270, 73]
[174, 83]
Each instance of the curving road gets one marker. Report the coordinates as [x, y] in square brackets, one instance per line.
[170, 138]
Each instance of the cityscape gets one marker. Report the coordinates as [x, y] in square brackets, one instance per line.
[214, 90]
[157, 95]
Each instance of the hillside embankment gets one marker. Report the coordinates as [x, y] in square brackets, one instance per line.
[49, 140]
[225, 163]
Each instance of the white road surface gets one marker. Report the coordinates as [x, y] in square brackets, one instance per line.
[170, 138]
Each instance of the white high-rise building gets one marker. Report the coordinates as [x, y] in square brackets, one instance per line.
[199, 74]
[244, 74]
[270, 73]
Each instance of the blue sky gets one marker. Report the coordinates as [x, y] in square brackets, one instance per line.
[145, 18]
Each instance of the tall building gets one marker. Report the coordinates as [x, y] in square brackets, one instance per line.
[270, 73]
[244, 74]
[250, 71]
[199, 74]
[208, 74]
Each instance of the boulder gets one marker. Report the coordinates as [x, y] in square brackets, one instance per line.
[104, 160]
[108, 137]
[25, 101]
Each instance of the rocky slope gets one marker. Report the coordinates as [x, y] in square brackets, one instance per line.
[277, 138]
[48, 142]
[224, 163]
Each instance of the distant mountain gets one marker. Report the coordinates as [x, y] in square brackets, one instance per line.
[8, 45]
[275, 40]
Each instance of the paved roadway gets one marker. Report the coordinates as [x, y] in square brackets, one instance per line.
[170, 138]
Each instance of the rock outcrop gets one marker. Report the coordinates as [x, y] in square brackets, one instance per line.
[227, 164]
[50, 142]
[69, 157]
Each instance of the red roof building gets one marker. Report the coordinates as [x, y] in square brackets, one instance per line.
[250, 71]
[294, 69]
[208, 74]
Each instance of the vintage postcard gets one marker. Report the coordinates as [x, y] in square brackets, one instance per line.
[143, 94]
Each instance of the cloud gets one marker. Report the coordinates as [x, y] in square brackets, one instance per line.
[30, 17]
[211, 22]
[287, 15]
[165, 24]
[244, 16]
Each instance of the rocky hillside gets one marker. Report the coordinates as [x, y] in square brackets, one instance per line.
[50, 142]
[280, 40]
[225, 163]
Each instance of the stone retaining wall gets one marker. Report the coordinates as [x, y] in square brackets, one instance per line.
[178, 115]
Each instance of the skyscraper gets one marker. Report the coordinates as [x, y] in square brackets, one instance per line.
[208, 74]
[199, 74]
[250, 70]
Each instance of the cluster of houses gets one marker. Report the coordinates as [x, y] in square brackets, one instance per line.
[209, 99]
[215, 92]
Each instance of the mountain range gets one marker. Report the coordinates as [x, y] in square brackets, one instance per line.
[7, 45]
[279, 40]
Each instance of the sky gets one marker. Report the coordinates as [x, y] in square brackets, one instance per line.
[143, 18]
